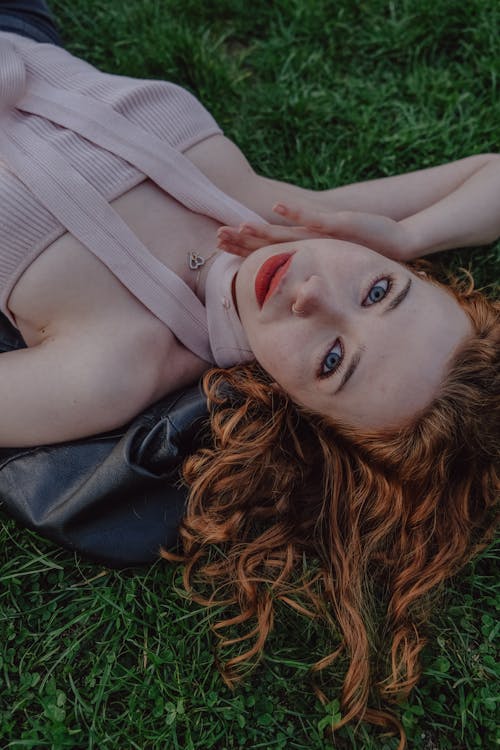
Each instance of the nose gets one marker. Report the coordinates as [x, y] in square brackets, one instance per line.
[311, 297]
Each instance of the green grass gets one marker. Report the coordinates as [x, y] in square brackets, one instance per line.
[319, 93]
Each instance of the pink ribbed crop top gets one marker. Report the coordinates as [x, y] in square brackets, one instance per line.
[74, 139]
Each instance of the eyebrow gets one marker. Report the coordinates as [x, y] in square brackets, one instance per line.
[398, 298]
[357, 356]
[350, 370]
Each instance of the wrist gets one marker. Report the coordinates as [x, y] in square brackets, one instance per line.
[412, 242]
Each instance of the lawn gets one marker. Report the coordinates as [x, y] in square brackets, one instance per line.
[321, 93]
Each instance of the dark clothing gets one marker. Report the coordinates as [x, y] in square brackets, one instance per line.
[30, 18]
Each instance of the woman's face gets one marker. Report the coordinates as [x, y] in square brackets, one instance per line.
[370, 341]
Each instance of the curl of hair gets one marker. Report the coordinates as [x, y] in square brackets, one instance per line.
[404, 511]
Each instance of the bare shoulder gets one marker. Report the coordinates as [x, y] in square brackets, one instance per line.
[82, 382]
[136, 355]
[223, 163]
[228, 168]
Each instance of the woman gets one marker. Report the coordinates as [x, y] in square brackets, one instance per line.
[365, 436]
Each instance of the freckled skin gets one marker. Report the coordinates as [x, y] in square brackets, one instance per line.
[404, 352]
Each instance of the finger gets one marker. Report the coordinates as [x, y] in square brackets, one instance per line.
[269, 234]
[242, 233]
[308, 218]
[248, 242]
[236, 234]
[235, 248]
[276, 232]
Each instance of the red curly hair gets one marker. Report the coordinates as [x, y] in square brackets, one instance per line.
[394, 512]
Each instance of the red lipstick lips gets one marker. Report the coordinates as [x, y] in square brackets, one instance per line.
[270, 274]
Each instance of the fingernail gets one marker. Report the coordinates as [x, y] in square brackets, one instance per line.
[279, 208]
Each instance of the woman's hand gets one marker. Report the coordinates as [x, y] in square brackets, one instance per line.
[246, 238]
[379, 233]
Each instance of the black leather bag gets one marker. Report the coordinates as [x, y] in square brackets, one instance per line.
[116, 497]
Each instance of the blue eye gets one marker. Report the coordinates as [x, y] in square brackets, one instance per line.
[332, 360]
[377, 292]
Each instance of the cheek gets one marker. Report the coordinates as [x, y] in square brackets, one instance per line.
[279, 355]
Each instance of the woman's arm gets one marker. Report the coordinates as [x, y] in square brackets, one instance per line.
[93, 376]
[464, 212]
[405, 216]
[468, 215]
[395, 197]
